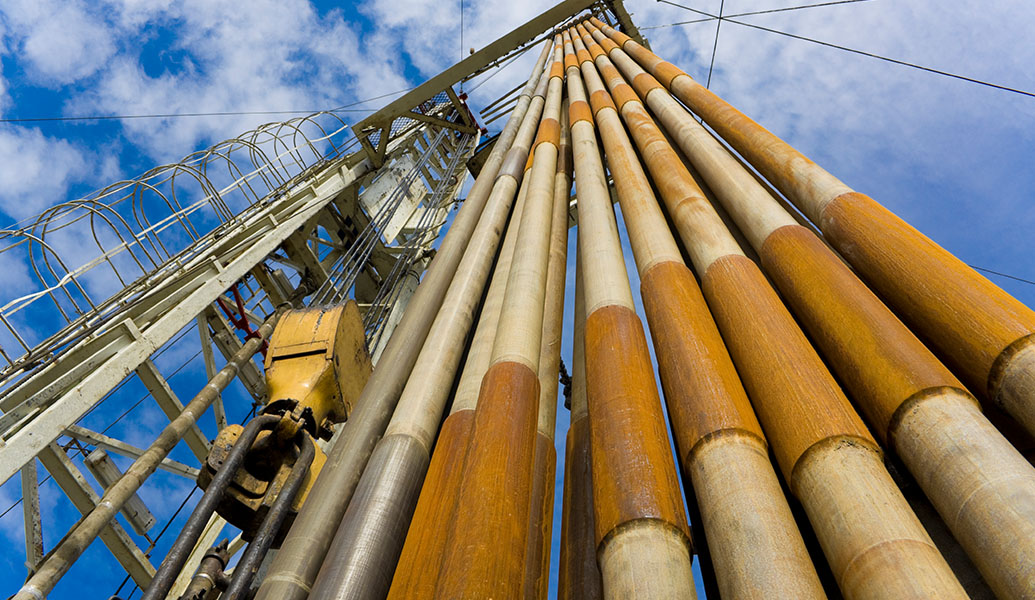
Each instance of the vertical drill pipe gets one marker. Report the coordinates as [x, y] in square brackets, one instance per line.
[980, 484]
[985, 334]
[177, 555]
[874, 543]
[579, 576]
[298, 561]
[537, 561]
[416, 574]
[756, 546]
[486, 545]
[371, 535]
[248, 566]
[72, 546]
[641, 533]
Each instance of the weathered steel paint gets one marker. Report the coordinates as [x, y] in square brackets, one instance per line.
[714, 425]
[480, 350]
[841, 478]
[985, 492]
[971, 321]
[579, 574]
[417, 573]
[702, 388]
[537, 554]
[373, 528]
[880, 362]
[790, 440]
[633, 474]
[485, 550]
[795, 397]
[365, 550]
[984, 319]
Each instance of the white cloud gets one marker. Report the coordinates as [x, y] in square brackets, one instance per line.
[36, 170]
[61, 42]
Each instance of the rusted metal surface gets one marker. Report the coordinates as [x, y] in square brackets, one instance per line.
[485, 550]
[579, 575]
[875, 545]
[537, 555]
[954, 308]
[642, 537]
[796, 398]
[537, 559]
[715, 428]
[633, 473]
[879, 361]
[298, 561]
[417, 574]
[702, 389]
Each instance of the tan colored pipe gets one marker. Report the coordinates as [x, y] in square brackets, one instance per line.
[416, 575]
[964, 465]
[987, 335]
[642, 537]
[537, 560]
[579, 575]
[804, 414]
[486, 546]
[370, 537]
[296, 564]
[757, 549]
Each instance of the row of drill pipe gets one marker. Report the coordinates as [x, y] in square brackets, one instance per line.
[734, 363]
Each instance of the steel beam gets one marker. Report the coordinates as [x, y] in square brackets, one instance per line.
[70, 479]
[31, 516]
[123, 449]
[170, 405]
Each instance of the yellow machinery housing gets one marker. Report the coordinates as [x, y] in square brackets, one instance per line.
[316, 366]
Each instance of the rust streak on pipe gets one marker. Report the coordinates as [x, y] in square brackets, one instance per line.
[418, 567]
[825, 452]
[371, 534]
[537, 560]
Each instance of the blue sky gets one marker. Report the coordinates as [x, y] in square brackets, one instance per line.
[951, 157]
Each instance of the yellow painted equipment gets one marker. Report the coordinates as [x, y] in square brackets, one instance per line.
[316, 367]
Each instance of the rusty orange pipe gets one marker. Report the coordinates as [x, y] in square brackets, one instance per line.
[986, 335]
[874, 543]
[486, 545]
[982, 487]
[642, 539]
[720, 443]
[579, 576]
[537, 560]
